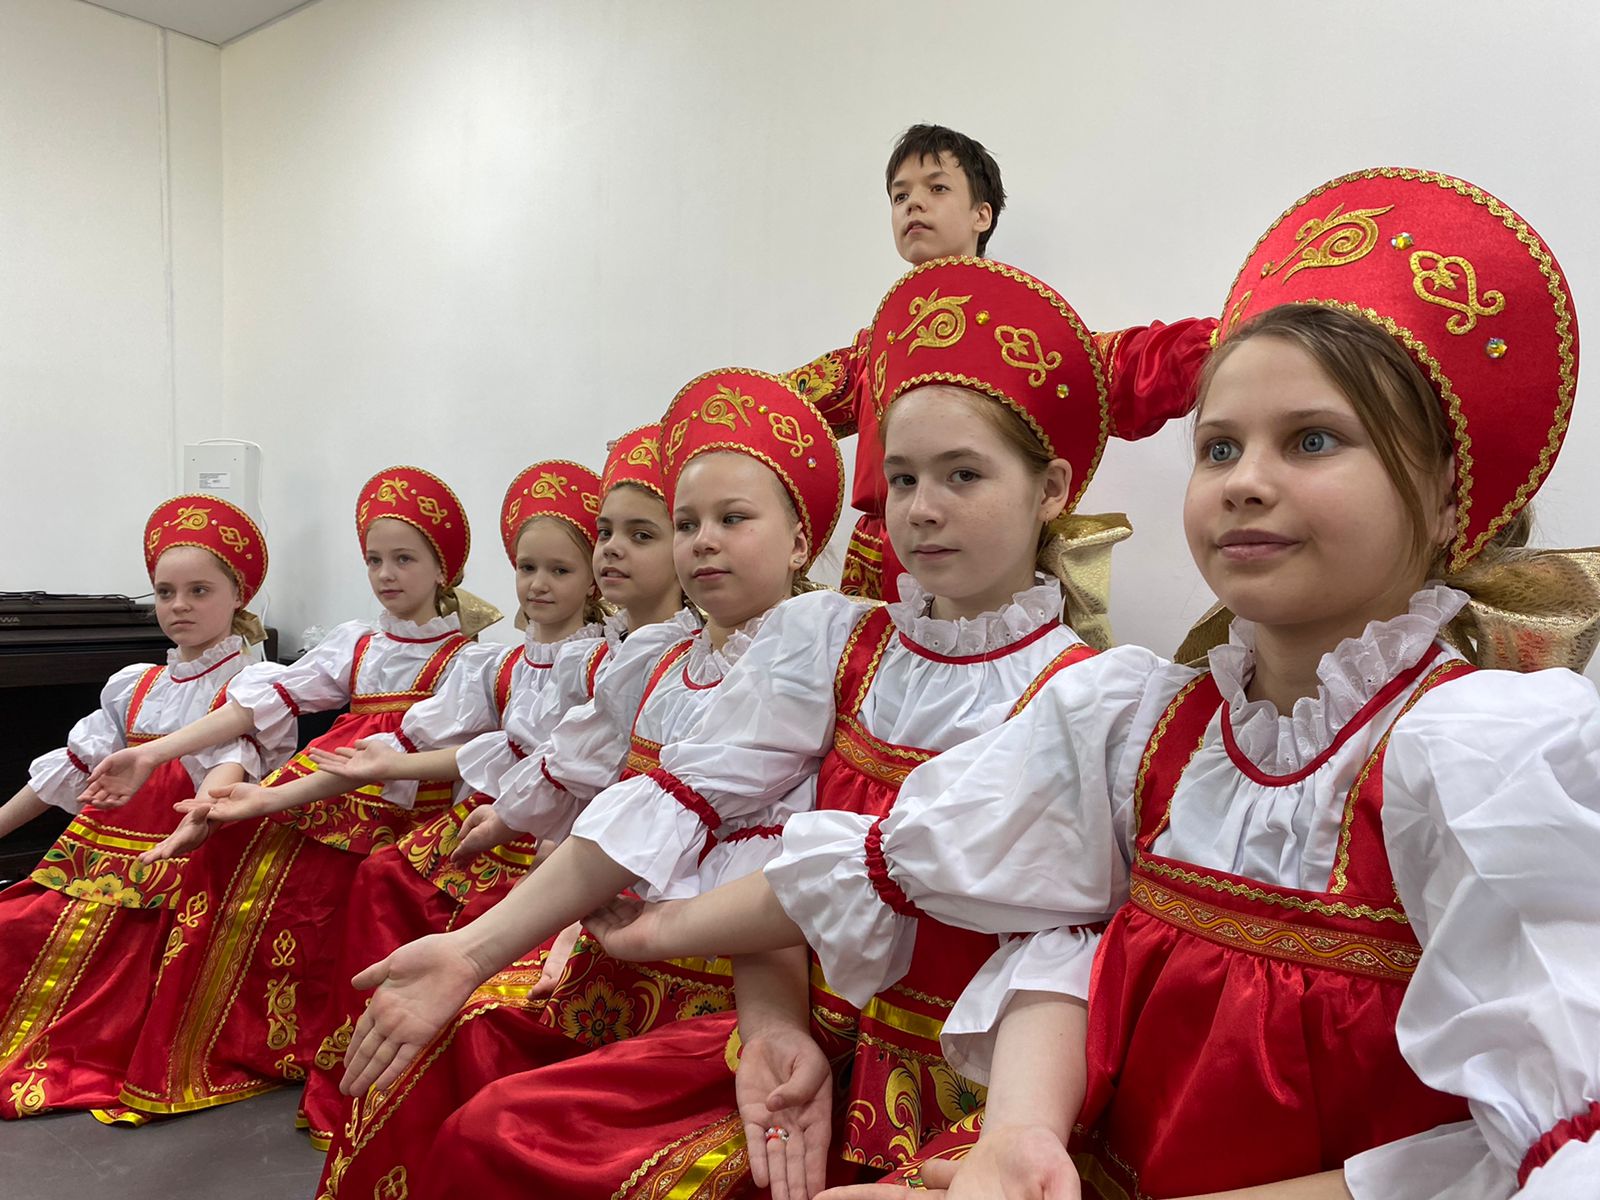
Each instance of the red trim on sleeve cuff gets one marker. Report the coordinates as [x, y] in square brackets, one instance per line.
[518, 752]
[77, 762]
[283, 693]
[407, 743]
[686, 796]
[549, 778]
[1574, 1129]
[878, 873]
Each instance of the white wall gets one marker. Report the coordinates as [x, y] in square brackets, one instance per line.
[467, 235]
[110, 284]
[470, 235]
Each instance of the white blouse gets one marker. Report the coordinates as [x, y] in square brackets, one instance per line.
[574, 753]
[319, 679]
[183, 693]
[767, 730]
[465, 706]
[1491, 824]
[534, 712]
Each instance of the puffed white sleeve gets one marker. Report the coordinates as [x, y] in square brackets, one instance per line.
[461, 708]
[274, 694]
[259, 756]
[1056, 960]
[1491, 820]
[59, 776]
[1016, 831]
[530, 717]
[587, 748]
[761, 735]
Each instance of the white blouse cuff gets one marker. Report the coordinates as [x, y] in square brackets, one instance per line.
[734, 859]
[272, 712]
[645, 830]
[531, 802]
[1570, 1174]
[1055, 960]
[57, 781]
[1449, 1162]
[821, 880]
[485, 761]
[243, 751]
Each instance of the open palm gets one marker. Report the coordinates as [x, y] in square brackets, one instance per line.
[421, 986]
[784, 1082]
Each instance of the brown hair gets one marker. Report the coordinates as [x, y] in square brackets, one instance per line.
[982, 172]
[1392, 398]
[1016, 433]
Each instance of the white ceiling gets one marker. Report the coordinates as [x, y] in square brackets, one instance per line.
[216, 21]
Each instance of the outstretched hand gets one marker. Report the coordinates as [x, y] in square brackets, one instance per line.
[481, 831]
[555, 962]
[420, 987]
[190, 834]
[365, 760]
[1021, 1162]
[784, 1085]
[117, 777]
[628, 929]
[234, 802]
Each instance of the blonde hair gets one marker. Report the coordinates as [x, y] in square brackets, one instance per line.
[595, 609]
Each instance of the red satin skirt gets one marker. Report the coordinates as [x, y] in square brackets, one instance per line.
[502, 1032]
[239, 1012]
[401, 893]
[83, 942]
[656, 1111]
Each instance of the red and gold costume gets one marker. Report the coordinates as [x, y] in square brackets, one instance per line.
[413, 888]
[246, 1007]
[904, 687]
[89, 933]
[1349, 927]
[600, 1000]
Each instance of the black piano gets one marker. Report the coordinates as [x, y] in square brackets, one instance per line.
[56, 652]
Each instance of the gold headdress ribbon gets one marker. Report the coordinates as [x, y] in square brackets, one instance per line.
[248, 626]
[1077, 551]
[476, 613]
[1530, 609]
[1527, 611]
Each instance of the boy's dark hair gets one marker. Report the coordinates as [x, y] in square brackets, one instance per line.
[983, 173]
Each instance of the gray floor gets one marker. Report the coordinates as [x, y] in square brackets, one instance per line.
[245, 1151]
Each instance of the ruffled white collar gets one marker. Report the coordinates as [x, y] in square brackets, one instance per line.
[1349, 675]
[686, 620]
[1029, 610]
[179, 671]
[542, 654]
[411, 631]
[707, 666]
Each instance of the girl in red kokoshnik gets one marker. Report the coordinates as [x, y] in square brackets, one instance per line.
[245, 1007]
[88, 934]
[754, 482]
[1356, 956]
[547, 525]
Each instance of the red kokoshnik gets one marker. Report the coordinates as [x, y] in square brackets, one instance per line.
[1473, 294]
